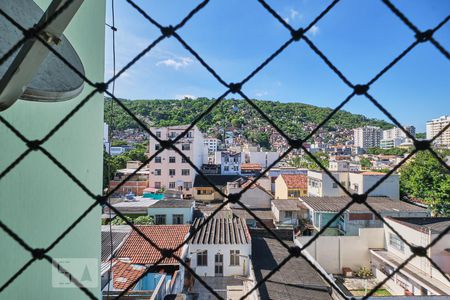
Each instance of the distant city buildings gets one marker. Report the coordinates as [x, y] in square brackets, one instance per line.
[435, 126]
[395, 137]
[211, 144]
[367, 136]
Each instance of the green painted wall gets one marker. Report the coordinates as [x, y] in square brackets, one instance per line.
[36, 199]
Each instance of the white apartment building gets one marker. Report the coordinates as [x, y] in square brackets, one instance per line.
[211, 144]
[265, 159]
[435, 126]
[169, 170]
[394, 137]
[230, 162]
[367, 136]
[343, 165]
[397, 132]
[321, 185]
[418, 277]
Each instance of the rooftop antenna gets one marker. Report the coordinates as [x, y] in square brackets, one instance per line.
[34, 73]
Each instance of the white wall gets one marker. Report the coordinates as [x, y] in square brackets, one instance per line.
[335, 252]
[242, 269]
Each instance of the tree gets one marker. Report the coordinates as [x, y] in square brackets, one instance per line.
[425, 178]
[365, 163]
[141, 220]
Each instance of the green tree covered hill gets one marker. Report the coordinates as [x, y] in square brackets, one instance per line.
[294, 118]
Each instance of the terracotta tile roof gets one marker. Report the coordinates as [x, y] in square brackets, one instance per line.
[295, 181]
[124, 274]
[251, 167]
[139, 251]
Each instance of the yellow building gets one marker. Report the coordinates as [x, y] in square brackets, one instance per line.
[291, 186]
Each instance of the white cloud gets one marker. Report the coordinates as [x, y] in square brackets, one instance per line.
[176, 62]
[314, 30]
[294, 13]
[181, 97]
[261, 93]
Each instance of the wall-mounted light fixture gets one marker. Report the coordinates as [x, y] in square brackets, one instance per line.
[33, 72]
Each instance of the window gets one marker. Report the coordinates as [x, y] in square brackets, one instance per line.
[288, 214]
[185, 172]
[160, 219]
[157, 147]
[158, 159]
[158, 134]
[172, 172]
[172, 159]
[202, 258]
[171, 185]
[335, 185]
[185, 147]
[396, 242]
[225, 168]
[157, 185]
[187, 186]
[158, 172]
[234, 257]
[183, 160]
[177, 219]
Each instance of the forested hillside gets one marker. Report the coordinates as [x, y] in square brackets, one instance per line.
[294, 118]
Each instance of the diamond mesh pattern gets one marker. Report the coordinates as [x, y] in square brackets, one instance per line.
[297, 35]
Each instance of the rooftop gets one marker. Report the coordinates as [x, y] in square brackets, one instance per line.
[125, 274]
[221, 231]
[139, 251]
[287, 204]
[295, 280]
[138, 203]
[251, 167]
[295, 181]
[434, 225]
[380, 204]
[218, 180]
[117, 235]
[173, 204]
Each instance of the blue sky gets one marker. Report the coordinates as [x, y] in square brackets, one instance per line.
[359, 37]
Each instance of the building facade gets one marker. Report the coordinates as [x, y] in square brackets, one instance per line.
[322, 185]
[367, 137]
[418, 277]
[230, 162]
[211, 144]
[291, 186]
[168, 170]
[221, 248]
[435, 126]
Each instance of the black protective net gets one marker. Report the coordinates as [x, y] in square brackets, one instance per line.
[171, 31]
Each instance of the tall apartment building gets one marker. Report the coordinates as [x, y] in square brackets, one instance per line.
[212, 144]
[169, 170]
[397, 132]
[367, 136]
[435, 126]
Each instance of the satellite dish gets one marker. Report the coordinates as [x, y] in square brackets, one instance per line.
[33, 72]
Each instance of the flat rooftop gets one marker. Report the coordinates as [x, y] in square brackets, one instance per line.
[287, 204]
[380, 204]
[295, 280]
[173, 204]
[434, 225]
